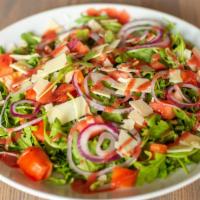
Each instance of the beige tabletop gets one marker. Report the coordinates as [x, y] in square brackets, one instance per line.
[13, 10]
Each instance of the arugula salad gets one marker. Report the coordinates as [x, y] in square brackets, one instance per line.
[113, 102]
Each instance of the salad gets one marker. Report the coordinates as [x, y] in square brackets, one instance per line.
[113, 102]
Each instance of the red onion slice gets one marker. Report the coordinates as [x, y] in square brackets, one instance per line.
[161, 74]
[179, 103]
[140, 22]
[162, 44]
[26, 116]
[87, 133]
[87, 173]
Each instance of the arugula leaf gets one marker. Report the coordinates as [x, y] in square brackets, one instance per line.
[142, 54]
[27, 139]
[81, 161]
[56, 129]
[109, 36]
[3, 91]
[2, 50]
[84, 19]
[113, 117]
[111, 24]
[89, 56]
[151, 170]
[33, 61]
[122, 58]
[178, 46]
[30, 38]
[160, 87]
[82, 34]
[187, 121]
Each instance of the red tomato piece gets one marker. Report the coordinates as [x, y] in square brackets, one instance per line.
[189, 77]
[158, 148]
[5, 61]
[155, 62]
[35, 163]
[39, 133]
[123, 177]
[166, 111]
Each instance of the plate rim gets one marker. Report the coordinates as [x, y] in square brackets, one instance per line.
[149, 195]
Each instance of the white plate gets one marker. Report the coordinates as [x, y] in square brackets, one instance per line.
[64, 15]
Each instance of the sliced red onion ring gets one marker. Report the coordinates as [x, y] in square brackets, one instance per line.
[161, 74]
[102, 138]
[179, 103]
[26, 116]
[158, 35]
[18, 128]
[87, 133]
[87, 173]
[162, 44]
[139, 22]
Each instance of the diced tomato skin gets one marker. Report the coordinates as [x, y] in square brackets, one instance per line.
[50, 35]
[92, 12]
[155, 62]
[123, 17]
[163, 109]
[5, 61]
[35, 163]
[30, 94]
[119, 74]
[60, 94]
[189, 77]
[123, 177]
[158, 148]
[39, 133]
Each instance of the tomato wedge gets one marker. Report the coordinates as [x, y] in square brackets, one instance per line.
[123, 177]
[163, 109]
[158, 148]
[35, 163]
[60, 94]
[189, 77]
[5, 61]
[39, 133]
[155, 62]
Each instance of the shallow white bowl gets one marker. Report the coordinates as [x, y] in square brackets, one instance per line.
[65, 15]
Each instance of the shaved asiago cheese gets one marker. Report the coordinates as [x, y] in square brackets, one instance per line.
[128, 124]
[191, 140]
[69, 110]
[69, 76]
[107, 63]
[40, 87]
[175, 76]
[48, 107]
[24, 57]
[53, 25]
[142, 107]
[51, 66]
[95, 26]
[125, 144]
[103, 92]
[187, 53]
[20, 67]
[179, 148]
[137, 117]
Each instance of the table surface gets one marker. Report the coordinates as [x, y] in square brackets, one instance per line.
[13, 10]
